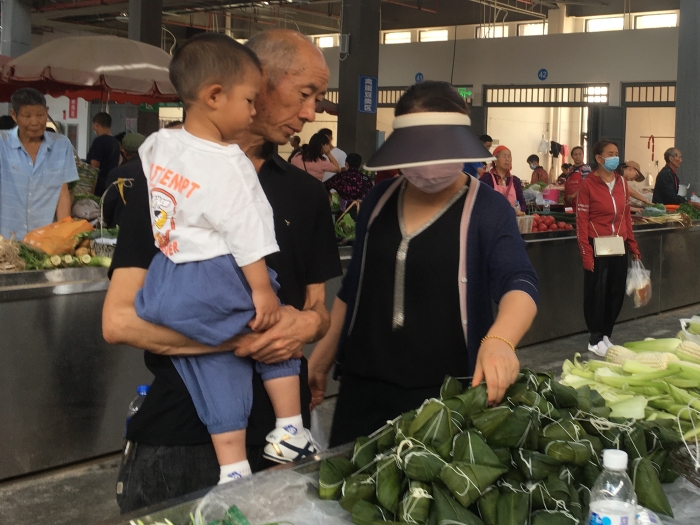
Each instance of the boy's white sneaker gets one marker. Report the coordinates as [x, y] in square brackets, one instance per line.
[287, 447]
[608, 342]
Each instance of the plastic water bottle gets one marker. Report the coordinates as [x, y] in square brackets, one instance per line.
[613, 500]
[136, 403]
[546, 206]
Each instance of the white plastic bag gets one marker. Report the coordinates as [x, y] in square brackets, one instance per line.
[687, 335]
[639, 283]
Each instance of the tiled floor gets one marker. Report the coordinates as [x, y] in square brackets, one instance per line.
[83, 494]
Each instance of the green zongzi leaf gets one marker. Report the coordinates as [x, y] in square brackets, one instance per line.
[449, 511]
[468, 482]
[488, 506]
[356, 488]
[635, 443]
[366, 513]
[650, 494]
[420, 463]
[434, 428]
[547, 517]
[561, 396]
[513, 509]
[450, 388]
[364, 452]
[551, 493]
[388, 483]
[469, 447]
[573, 452]
[331, 475]
[535, 466]
[416, 503]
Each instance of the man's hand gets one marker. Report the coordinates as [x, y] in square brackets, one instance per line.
[498, 364]
[318, 381]
[285, 340]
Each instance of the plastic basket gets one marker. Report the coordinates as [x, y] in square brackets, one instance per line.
[525, 223]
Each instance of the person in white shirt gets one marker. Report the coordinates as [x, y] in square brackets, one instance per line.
[214, 226]
[338, 154]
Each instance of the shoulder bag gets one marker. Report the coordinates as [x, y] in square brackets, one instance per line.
[610, 245]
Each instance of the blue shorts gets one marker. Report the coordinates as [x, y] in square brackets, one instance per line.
[209, 302]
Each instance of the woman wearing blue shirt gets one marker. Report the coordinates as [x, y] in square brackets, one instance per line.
[35, 169]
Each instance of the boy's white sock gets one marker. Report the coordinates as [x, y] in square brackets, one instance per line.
[234, 471]
[293, 425]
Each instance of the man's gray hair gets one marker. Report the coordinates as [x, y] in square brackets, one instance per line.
[671, 152]
[278, 51]
[27, 97]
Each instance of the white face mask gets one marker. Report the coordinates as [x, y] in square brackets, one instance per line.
[433, 178]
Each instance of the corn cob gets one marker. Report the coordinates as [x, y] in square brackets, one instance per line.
[689, 351]
[656, 360]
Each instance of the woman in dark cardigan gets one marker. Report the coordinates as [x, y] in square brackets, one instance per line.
[434, 249]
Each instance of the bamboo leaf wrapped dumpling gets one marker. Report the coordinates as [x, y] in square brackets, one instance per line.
[519, 394]
[418, 462]
[433, 427]
[389, 483]
[366, 513]
[449, 511]
[535, 466]
[364, 452]
[357, 487]
[551, 494]
[650, 494]
[635, 443]
[561, 396]
[503, 427]
[450, 388]
[468, 482]
[488, 505]
[331, 475]
[572, 452]
[553, 517]
[469, 402]
[470, 447]
[514, 508]
[416, 504]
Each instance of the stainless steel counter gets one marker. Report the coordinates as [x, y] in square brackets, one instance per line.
[64, 391]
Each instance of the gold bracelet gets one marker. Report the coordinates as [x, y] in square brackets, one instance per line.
[512, 346]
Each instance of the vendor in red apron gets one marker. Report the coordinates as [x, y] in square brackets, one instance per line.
[500, 179]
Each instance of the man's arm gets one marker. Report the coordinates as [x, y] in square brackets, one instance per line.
[287, 338]
[121, 325]
[65, 203]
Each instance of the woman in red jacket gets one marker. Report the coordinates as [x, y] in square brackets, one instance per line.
[603, 210]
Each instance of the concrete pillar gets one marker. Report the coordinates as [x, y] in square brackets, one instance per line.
[16, 28]
[688, 79]
[357, 131]
[145, 21]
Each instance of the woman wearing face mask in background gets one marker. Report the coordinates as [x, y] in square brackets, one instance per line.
[433, 249]
[603, 210]
[500, 179]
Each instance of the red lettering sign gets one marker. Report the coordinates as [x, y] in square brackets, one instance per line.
[73, 108]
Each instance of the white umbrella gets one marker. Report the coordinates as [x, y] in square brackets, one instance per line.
[108, 63]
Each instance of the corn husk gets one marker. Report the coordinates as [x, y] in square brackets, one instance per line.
[357, 487]
[388, 482]
[518, 394]
[434, 428]
[416, 503]
[363, 453]
[468, 482]
[450, 388]
[650, 494]
[366, 513]
[420, 463]
[551, 494]
[561, 396]
[534, 465]
[488, 506]
[331, 475]
[635, 443]
[449, 511]
[546, 517]
[469, 447]
[573, 452]
[514, 509]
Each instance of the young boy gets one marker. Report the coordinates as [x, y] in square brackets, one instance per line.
[214, 227]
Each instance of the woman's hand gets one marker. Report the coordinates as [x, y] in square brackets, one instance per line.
[498, 365]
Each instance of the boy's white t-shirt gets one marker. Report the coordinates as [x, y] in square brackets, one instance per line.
[206, 200]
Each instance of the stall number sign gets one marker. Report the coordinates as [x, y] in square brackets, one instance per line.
[73, 108]
[542, 74]
[367, 100]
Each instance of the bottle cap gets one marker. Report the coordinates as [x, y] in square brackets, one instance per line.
[142, 390]
[615, 459]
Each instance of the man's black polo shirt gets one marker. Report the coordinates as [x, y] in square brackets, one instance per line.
[308, 255]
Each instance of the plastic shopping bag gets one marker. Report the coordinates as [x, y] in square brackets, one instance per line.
[639, 283]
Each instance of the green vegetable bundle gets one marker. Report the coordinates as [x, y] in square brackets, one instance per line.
[533, 459]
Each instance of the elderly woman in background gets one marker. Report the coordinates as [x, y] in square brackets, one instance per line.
[35, 168]
[317, 159]
[606, 240]
[500, 179]
[434, 250]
